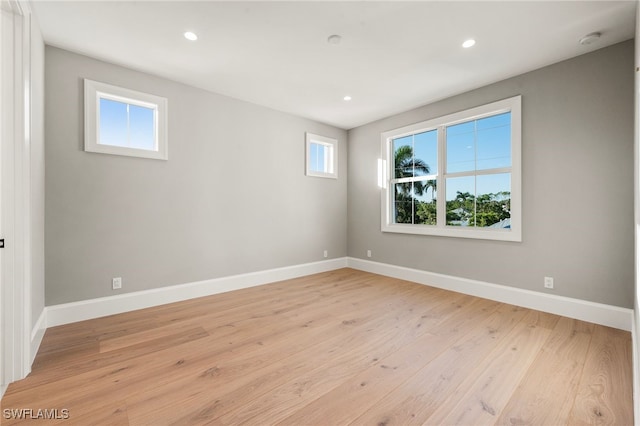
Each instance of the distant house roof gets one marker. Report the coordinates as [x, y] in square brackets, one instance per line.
[503, 224]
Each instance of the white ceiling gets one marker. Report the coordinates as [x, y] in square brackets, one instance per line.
[393, 56]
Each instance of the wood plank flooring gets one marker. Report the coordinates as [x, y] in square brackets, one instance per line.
[339, 348]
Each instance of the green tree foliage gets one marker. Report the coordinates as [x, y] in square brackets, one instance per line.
[426, 213]
[484, 210]
[465, 210]
[408, 208]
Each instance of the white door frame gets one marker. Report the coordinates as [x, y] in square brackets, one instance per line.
[635, 334]
[15, 181]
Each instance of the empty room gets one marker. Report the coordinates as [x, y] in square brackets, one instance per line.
[319, 212]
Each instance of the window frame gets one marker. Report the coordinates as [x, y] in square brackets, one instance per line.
[386, 174]
[94, 91]
[333, 161]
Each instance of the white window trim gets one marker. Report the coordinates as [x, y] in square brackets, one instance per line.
[329, 142]
[94, 91]
[385, 172]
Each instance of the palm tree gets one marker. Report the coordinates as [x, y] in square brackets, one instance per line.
[431, 184]
[408, 166]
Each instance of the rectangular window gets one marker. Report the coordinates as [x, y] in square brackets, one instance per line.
[124, 122]
[415, 170]
[322, 156]
[457, 175]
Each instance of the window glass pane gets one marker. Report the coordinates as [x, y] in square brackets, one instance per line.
[460, 201]
[316, 157]
[403, 203]
[493, 201]
[113, 123]
[457, 129]
[416, 155]
[425, 150]
[494, 142]
[403, 156]
[320, 158]
[313, 157]
[425, 207]
[327, 153]
[141, 128]
[479, 144]
[414, 202]
[498, 120]
[460, 150]
[481, 201]
[127, 125]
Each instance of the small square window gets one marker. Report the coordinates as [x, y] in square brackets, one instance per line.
[322, 156]
[124, 122]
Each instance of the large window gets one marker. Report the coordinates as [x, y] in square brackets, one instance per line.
[457, 175]
[124, 122]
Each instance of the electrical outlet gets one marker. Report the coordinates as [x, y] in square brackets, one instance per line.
[116, 283]
[368, 253]
[326, 254]
[548, 282]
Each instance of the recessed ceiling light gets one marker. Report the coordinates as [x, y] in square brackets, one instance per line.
[590, 38]
[334, 39]
[190, 36]
[347, 98]
[468, 43]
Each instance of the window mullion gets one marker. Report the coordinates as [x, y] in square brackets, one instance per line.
[415, 179]
[475, 173]
[413, 157]
[128, 127]
[481, 172]
[441, 203]
[413, 202]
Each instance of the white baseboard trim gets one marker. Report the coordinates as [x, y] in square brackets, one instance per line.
[598, 313]
[37, 333]
[612, 316]
[636, 366]
[94, 308]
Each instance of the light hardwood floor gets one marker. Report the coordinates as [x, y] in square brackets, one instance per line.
[338, 348]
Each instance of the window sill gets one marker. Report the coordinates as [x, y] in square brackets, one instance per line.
[511, 235]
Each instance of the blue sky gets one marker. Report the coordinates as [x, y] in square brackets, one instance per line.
[474, 145]
[316, 157]
[126, 125]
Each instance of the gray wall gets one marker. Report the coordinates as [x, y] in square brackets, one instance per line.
[577, 162]
[232, 198]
